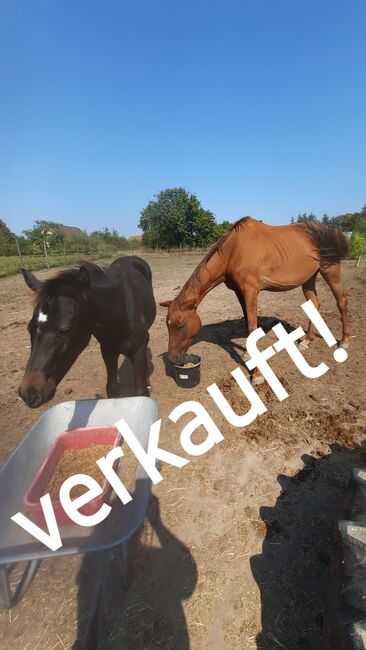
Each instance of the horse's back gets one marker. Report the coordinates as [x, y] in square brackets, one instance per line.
[127, 263]
[276, 258]
[134, 277]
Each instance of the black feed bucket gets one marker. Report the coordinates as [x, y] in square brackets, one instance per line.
[188, 375]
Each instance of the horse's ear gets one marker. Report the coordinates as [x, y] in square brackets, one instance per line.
[82, 280]
[31, 280]
[165, 303]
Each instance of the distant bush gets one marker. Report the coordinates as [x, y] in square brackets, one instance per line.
[357, 244]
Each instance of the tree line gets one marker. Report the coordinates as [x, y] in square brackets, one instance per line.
[56, 239]
[353, 224]
[175, 218]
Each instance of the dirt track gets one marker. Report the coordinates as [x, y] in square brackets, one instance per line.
[236, 549]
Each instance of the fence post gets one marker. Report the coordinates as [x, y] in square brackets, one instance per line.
[19, 253]
[45, 253]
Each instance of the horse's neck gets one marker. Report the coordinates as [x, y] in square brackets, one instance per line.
[101, 299]
[205, 278]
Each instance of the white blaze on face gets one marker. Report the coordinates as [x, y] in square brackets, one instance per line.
[42, 318]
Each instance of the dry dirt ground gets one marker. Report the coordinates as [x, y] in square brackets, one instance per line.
[235, 550]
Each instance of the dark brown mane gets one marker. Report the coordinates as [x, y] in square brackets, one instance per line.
[64, 280]
[241, 223]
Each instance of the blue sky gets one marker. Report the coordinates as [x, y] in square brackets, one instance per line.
[256, 107]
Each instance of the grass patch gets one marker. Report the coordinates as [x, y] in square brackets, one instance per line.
[11, 265]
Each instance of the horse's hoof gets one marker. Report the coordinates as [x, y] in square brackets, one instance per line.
[344, 345]
[257, 380]
[304, 343]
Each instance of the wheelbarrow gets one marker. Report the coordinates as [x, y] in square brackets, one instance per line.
[16, 545]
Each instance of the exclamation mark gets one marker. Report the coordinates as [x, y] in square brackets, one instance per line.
[340, 354]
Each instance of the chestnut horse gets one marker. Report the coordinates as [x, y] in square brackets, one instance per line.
[252, 257]
[117, 306]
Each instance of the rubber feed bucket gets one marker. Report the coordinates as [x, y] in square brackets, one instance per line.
[191, 376]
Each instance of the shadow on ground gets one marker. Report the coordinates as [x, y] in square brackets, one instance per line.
[225, 332]
[149, 614]
[292, 570]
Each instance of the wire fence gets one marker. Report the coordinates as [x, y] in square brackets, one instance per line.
[11, 264]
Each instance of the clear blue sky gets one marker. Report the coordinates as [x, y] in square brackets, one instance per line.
[257, 107]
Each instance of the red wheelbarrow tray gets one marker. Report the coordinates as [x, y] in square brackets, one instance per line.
[20, 469]
[79, 438]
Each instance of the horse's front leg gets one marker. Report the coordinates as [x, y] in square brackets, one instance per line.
[139, 362]
[110, 358]
[251, 306]
[241, 299]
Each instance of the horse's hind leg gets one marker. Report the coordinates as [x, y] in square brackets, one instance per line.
[241, 299]
[309, 290]
[332, 275]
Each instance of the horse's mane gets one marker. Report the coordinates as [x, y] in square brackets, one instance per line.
[65, 279]
[329, 241]
[194, 281]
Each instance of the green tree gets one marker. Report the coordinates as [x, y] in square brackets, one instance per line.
[176, 218]
[107, 239]
[306, 217]
[44, 231]
[76, 242]
[222, 228]
[7, 240]
[361, 224]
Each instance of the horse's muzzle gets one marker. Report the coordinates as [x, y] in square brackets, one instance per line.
[32, 398]
[178, 359]
[35, 393]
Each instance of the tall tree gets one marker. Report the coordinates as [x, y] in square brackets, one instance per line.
[176, 218]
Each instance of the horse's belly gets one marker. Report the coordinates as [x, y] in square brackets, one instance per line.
[279, 287]
[292, 278]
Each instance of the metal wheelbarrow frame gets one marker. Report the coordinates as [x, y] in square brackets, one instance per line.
[17, 545]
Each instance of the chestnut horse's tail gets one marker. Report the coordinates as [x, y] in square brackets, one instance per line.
[329, 241]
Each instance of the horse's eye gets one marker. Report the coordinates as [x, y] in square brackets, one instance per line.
[180, 326]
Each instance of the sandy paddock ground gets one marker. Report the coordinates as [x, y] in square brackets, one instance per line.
[235, 550]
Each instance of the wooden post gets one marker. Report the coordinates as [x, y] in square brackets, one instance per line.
[45, 252]
[19, 253]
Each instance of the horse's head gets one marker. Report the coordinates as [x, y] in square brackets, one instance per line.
[59, 330]
[183, 324]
